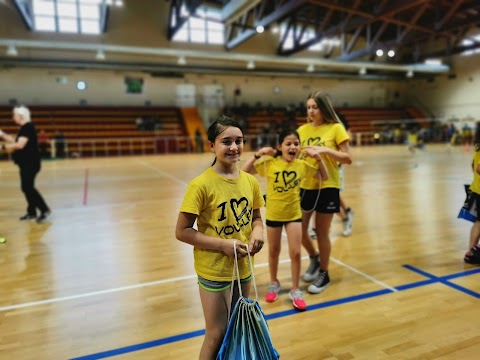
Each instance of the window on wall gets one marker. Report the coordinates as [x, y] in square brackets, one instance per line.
[66, 16]
[323, 45]
[204, 27]
[469, 41]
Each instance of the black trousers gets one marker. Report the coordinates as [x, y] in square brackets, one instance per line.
[34, 199]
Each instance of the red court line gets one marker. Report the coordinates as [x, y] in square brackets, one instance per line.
[85, 187]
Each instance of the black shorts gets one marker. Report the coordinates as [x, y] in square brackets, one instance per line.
[280, 223]
[326, 201]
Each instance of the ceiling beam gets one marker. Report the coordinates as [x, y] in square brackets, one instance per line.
[247, 30]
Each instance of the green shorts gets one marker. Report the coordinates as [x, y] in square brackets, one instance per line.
[218, 286]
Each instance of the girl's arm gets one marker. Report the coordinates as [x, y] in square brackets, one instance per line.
[322, 170]
[477, 169]
[248, 166]
[342, 156]
[256, 239]
[185, 232]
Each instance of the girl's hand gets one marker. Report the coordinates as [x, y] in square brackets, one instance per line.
[255, 246]
[266, 151]
[227, 248]
[310, 151]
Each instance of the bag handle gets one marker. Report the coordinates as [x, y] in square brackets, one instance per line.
[237, 277]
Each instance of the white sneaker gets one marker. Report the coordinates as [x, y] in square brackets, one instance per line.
[313, 234]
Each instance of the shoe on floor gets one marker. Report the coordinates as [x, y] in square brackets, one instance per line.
[313, 234]
[272, 293]
[27, 217]
[473, 257]
[320, 283]
[312, 270]
[43, 216]
[297, 299]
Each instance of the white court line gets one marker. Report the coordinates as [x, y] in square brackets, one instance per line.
[363, 274]
[94, 293]
[165, 281]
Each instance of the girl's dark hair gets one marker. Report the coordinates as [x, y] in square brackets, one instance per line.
[325, 106]
[282, 135]
[219, 126]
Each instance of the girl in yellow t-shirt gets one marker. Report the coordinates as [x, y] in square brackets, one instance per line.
[326, 135]
[225, 202]
[284, 171]
[473, 253]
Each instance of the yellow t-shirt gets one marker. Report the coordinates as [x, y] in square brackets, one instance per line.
[475, 186]
[224, 208]
[329, 135]
[283, 186]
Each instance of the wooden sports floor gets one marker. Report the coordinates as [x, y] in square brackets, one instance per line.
[106, 278]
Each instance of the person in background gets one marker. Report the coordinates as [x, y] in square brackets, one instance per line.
[43, 144]
[198, 141]
[472, 256]
[284, 172]
[324, 133]
[25, 153]
[59, 141]
[225, 202]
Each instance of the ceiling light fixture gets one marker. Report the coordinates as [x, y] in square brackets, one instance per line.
[379, 52]
[251, 65]
[11, 50]
[260, 29]
[391, 53]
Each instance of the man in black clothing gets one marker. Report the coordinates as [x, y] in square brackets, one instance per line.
[25, 153]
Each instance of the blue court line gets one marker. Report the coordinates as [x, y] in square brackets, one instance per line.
[444, 279]
[432, 279]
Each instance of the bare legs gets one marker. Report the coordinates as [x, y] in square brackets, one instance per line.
[474, 235]
[215, 309]
[322, 229]
[294, 236]
[306, 239]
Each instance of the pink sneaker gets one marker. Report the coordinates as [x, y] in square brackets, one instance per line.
[272, 293]
[297, 299]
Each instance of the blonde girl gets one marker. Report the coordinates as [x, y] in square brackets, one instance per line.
[325, 134]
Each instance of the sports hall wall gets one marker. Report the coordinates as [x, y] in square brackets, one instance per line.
[453, 95]
[44, 86]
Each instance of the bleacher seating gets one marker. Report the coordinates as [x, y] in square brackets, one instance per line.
[107, 130]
